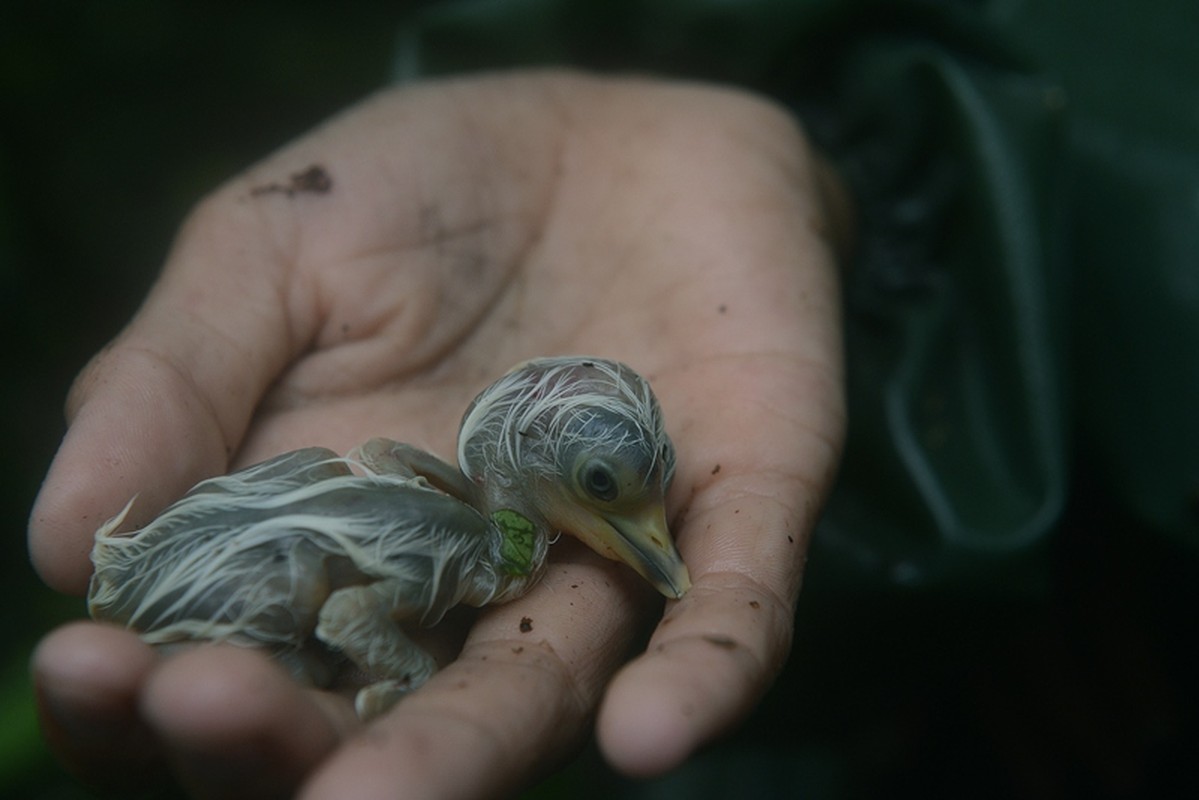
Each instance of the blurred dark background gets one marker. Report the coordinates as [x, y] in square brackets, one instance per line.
[114, 119]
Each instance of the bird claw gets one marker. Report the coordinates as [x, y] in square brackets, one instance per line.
[378, 698]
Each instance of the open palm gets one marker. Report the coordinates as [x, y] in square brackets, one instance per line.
[367, 281]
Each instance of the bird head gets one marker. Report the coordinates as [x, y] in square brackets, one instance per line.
[579, 443]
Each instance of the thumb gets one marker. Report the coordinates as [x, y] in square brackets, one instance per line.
[167, 402]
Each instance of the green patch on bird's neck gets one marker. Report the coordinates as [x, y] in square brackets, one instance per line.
[516, 544]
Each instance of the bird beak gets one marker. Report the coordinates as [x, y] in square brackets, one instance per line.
[640, 539]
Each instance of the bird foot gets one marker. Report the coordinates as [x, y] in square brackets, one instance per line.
[378, 698]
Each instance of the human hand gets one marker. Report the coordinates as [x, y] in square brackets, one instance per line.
[450, 230]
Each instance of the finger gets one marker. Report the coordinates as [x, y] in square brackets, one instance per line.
[87, 679]
[516, 702]
[233, 724]
[717, 650]
[168, 401]
[715, 654]
[758, 479]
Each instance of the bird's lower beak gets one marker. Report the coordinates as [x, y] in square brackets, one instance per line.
[641, 540]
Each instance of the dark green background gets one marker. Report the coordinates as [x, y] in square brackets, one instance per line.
[1027, 177]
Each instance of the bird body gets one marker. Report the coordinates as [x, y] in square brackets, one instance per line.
[321, 558]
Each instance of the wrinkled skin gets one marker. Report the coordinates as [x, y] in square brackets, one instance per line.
[470, 225]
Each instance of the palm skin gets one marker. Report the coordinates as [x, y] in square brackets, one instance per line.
[469, 225]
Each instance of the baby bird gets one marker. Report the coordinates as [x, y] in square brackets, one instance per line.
[320, 558]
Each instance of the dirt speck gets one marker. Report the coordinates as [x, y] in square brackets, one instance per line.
[722, 309]
[313, 180]
[518, 650]
[754, 604]
[715, 469]
[526, 624]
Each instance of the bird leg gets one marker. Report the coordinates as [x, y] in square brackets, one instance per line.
[360, 621]
[395, 458]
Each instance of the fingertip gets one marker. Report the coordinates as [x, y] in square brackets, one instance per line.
[643, 734]
[710, 661]
[87, 679]
[211, 694]
[235, 723]
[59, 548]
[91, 666]
[146, 435]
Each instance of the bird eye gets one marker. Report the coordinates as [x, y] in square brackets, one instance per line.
[599, 482]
